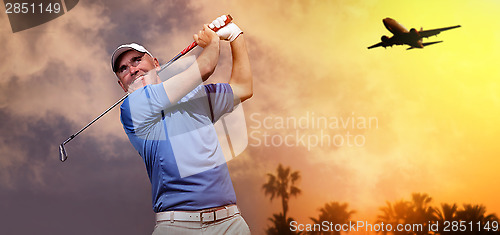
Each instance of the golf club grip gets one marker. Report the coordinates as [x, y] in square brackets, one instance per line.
[194, 44]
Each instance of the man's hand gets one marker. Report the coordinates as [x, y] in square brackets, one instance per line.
[209, 57]
[206, 37]
[227, 32]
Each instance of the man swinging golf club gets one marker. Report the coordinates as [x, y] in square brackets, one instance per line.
[170, 124]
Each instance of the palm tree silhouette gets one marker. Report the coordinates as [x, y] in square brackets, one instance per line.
[415, 212]
[421, 212]
[447, 214]
[475, 214]
[472, 219]
[281, 225]
[333, 212]
[282, 185]
[394, 214]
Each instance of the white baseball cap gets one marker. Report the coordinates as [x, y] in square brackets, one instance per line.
[126, 47]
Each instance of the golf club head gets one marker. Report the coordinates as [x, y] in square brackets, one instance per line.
[62, 153]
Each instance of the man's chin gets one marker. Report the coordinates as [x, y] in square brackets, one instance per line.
[142, 81]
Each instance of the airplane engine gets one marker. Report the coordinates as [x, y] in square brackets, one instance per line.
[414, 33]
[385, 39]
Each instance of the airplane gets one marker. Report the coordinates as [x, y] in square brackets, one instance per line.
[402, 36]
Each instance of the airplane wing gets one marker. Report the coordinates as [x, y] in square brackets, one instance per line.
[432, 32]
[376, 45]
[430, 43]
[424, 44]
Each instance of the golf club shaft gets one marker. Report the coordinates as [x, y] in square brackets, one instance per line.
[95, 119]
[62, 151]
[183, 52]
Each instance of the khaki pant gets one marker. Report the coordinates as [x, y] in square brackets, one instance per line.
[232, 225]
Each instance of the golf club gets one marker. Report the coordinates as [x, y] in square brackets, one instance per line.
[62, 151]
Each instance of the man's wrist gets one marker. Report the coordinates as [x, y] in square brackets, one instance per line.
[238, 39]
[208, 59]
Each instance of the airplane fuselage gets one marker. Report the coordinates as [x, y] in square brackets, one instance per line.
[393, 26]
[401, 34]
[411, 37]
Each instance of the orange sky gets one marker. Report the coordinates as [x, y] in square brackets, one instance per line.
[438, 108]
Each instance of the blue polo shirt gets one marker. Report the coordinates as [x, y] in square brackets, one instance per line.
[179, 145]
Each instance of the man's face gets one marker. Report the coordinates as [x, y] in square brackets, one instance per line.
[133, 64]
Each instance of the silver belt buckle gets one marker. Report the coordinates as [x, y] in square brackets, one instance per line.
[210, 214]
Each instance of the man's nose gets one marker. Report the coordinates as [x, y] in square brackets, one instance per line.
[133, 70]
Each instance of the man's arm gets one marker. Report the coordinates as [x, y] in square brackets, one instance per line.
[241, 75]
[181, 84]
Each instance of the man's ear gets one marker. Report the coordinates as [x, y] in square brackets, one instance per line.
[156, 63]
[121, 84]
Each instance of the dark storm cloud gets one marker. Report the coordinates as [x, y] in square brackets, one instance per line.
[43, 194]
[150, 23]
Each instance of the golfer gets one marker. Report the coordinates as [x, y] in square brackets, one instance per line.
[170, 124]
